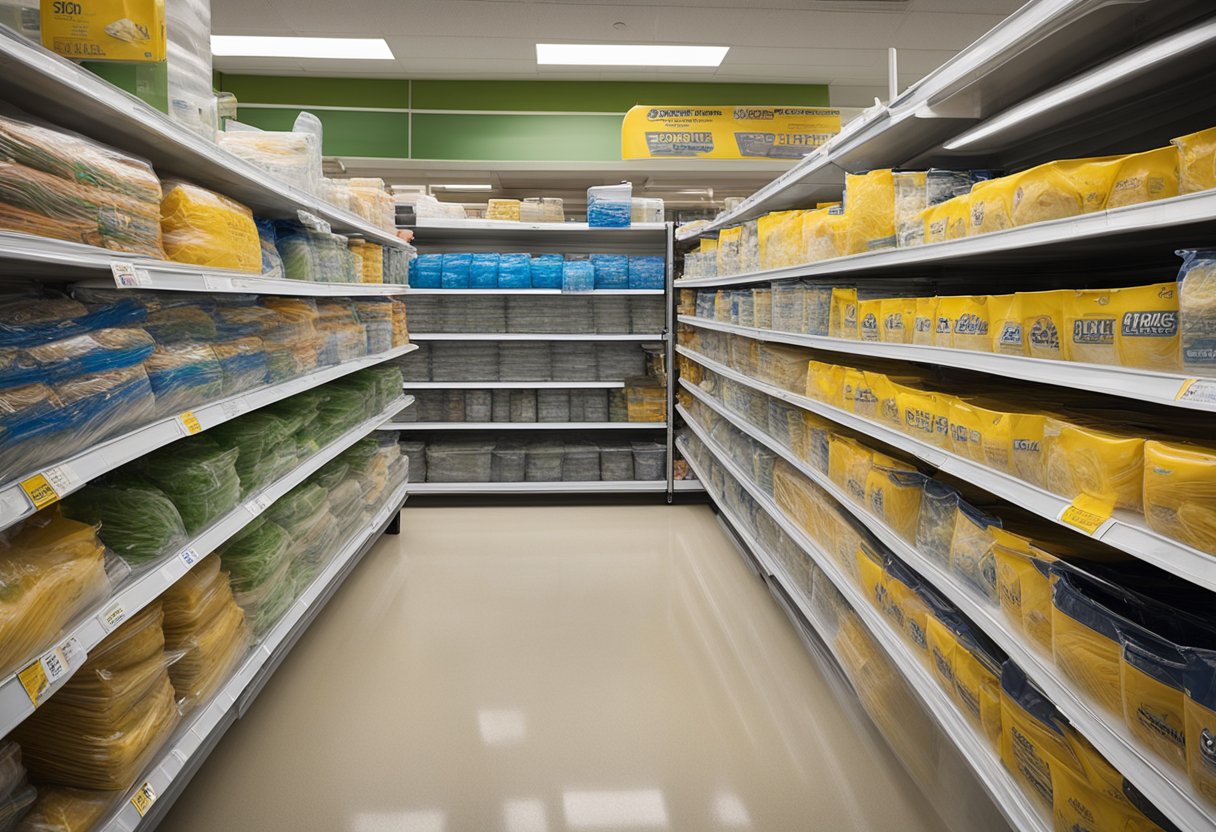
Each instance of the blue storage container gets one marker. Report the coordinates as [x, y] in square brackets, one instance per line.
[426, 271]
[647, 272]
[515, 271]
[578, 276]
[456, 270]
[611, 271]
[547, 271]
[483, 271]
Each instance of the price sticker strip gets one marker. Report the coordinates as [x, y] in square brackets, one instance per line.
[40, 676]
[50, 486]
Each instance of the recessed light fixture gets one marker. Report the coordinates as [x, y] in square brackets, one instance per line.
[623, 54]
[257, 46]
[460, 187]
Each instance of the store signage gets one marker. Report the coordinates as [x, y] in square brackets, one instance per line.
[650, 132]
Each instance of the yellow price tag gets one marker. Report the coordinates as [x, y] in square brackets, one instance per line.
[1087, 513]
[1197, 390]
[143, 799]
[40, 491]
[189, 422]
[35, 681]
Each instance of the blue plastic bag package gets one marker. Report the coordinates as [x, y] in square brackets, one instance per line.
[483, 270]
[578, 276]
[456, 270]
[611, 271]
[515, 271]
[547, 271]
[426, 271]
[647, 272]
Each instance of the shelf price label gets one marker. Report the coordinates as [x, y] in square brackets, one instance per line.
[1197, 390]
[143, 798]
[189, 557]
[52, 666]
[1088, 514]
[126, 276]
[50, 485]
[114, 615]
[189, 423]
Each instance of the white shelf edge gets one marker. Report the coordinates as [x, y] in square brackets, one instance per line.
[193, 732]
[494, 426]
[1143, 768]
[1125, 531]
[1163, 213]
[1009, 798]
[688, 485]
[1113, 380]
[555, 487]
[524, 228]
[107, 455]
[514, 385]
[533, 336]
[153, 579]
[538, 292]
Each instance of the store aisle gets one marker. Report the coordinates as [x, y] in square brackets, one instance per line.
[547, 669]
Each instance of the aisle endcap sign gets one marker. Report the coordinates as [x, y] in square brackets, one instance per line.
[650, 132]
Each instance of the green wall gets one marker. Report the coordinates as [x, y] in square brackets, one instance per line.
[529, 120]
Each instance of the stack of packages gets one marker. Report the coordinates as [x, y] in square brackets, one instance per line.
[16, 794]
[291, 157]
[204, 228]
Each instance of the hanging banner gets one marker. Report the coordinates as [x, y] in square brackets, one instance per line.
[726, 132]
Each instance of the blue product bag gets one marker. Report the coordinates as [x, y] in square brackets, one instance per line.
[578, 276]
[611, 271]
[547, 271]
[426, 271]
[515, 271]
[647, 272]
[456, 271]
[483, 270]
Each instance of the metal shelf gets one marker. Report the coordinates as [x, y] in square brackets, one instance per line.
[150, 581]
[1128, 382]
[195, 738]
[531, 336]
[70, 474]
[496, 235]
[1008, 796]
[514, 385]
[600, 487]
[541, 292]
[688, 485]
[495, 426]
[45, 85]
[1124, 531]
[1167, 788]
[473, 226]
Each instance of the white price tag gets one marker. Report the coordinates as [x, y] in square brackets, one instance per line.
[232, 409]
[114, 615]
[72, 652]
[126, 276]
[259, 504]
[62, 478]
[217, 284]
[189, 557]
[1198, 390]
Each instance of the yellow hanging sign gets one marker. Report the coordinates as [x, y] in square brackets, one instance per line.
[649, 132]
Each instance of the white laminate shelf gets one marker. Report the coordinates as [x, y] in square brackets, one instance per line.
[691, 486]
[1125, 531]
[69, 474]
[495, 426]
[533, 336]
[1169, 389]
[598, 487]
[42, 83]
[196, 736]
[597, 293]
[1007, 795]
[1168, 788]
[151, 580]
[514, 385]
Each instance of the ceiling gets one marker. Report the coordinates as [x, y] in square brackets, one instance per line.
[838, 42]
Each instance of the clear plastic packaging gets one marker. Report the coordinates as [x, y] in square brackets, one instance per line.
[609, 206]
[426, 271]
[515, 271]
[459, 461]
[611, 271]
[483, 270]
[141, 523]
[1196, 161]
[258, 560]
[1197, 310]
[578, 276]
[292, 157]
[546, 271]
[456, 268]
[647, 272]
[203, 228]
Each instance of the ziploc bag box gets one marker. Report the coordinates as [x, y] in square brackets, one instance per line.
[105, 30]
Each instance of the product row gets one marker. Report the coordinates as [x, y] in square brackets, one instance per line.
[1071, 444]
[60, 185]
[1054, 764]
[511, 459]
[884, 208]
[84, 748]
[530, 361]
[570, 273]
[74, 371]
[1162, 326]
[641, 400]
[568, 314]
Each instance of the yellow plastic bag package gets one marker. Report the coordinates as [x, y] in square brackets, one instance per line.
[1061, 189]
[977, 686]
[1196, 161]
[942, 641]
[1005, 325]
[925, 322]
[762, 308]
[980, 432]
[1197, 310]
[1079, 459]
[885, 392]
[1027, 432]
[958, 216]
[871, 577]
[896, 320]
[869, 319]
[967, 323]
[1144, 177]
[1085, 637]
[1043, 321]
[991, 205]
[1180, 492]
[925, 416]
[728, 255]
[51, 569]
[204, 228]
[709, 245]
[60, 809]
[869, 211]
[849, 465]
[825, 383]
[780, 239]
[858, 397]
[1133, 327]
[893, 496]
[910, 607]
[1152, 681]
[1199, 713]
[971, 549]
[1014, 555]
[842, 322]
[911, 199]
[823, 235]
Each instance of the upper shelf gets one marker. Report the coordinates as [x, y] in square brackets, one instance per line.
[500, 235]
[1078, 64]
[45, 85]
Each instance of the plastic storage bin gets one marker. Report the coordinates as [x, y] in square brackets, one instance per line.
[581, 462]
[546, 271]
[515, 271]
[649, 461]
[508, 462]
[544, 462]
[647, 272]
[467, 461]
[611, 271]
[616, 462]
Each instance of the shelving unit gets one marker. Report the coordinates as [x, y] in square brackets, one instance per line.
[533, 336]
[491, 426]
[514, 385]
[538, 292]
[600, 487]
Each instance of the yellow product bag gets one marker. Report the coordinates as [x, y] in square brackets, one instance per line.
[849, 465]
[980, 433]
[1043, 321]
[1152, 679]
[965, 431]
[1196, 161]
[991, 205]
[728, 254]
[1134, 327]
[1024, 589]
[823, 235]
[722, 306]
[1199, 713]
[858, 397]
[1108, 467]
[1011, 552]
[909, 607]
[893, 496]
[825, 383]
[1033, 743]
[885, 393]
[1005, 325]
[815, 437]
[869, 209]
[934, 221]
[977, 684]
[971, 554]
[943, 325]
[896, 320]
[925, 322]
[767, 228]
[926, 416]
[958, 216]
[1083, 805]
[942, 642]
[709, 245]
[1026, 444]
[1063, 189]
[970, 323]
[1085, 638]
[842, 321]
[869, 320]
[1144, 177]
[871, 577]
[1180, 492]
[204, 228]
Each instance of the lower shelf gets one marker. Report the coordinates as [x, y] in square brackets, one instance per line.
[622, 486]
[495, 426]
[688, 485]
[197, 736]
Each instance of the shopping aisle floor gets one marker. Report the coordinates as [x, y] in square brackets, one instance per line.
[546, 669]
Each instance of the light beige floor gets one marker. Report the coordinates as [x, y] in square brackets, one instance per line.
[547, 669]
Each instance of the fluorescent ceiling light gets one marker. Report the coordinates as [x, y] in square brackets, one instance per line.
[257, 46]
[621, 54]
[1104, 76]
[459, 187]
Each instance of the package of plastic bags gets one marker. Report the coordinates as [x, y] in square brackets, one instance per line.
[647, 272]
[578, 275]
[60, 809]
[292, 157]
[204, 228]
[1196, 161]
[611, 271]
[1133, 327]
[869, 211]
[546, 271]
[456, 267]
[1197, 310]
[515, 271]
[199, 475]
[258, 559]
[609, 206]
